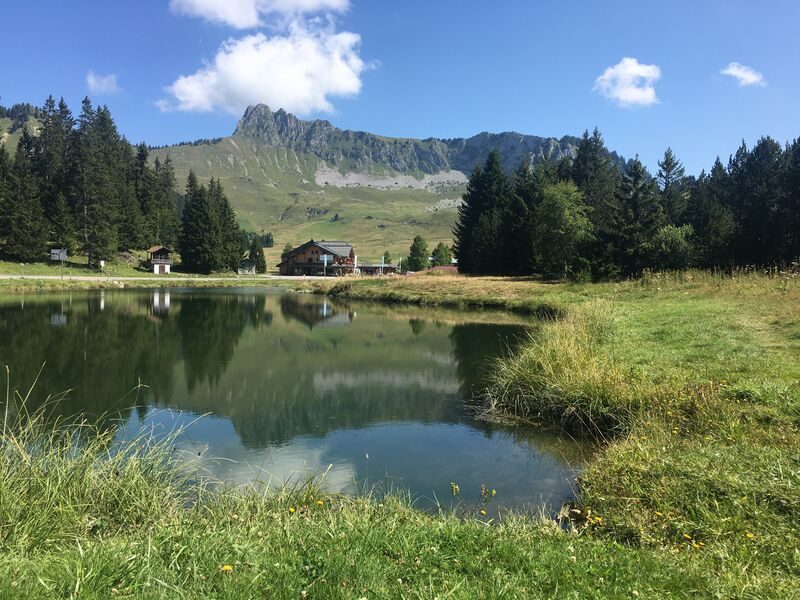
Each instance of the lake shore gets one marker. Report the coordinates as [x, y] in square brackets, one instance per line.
[689, 382]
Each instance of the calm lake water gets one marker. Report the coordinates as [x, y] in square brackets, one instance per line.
[271, 386]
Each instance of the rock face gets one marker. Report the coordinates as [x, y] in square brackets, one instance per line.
[364, 152]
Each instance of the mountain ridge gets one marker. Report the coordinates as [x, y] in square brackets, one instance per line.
[362, 150]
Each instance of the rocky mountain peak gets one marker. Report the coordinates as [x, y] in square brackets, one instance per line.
[362, 151]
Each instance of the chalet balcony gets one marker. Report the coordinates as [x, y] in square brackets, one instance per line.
[159, 261]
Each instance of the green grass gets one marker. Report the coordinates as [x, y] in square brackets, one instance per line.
[273, 189]
[690, 381]
[692, 384]
[78, 519]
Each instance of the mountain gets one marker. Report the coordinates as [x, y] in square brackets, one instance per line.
[309, 179]
[362, 151]
[302, 179]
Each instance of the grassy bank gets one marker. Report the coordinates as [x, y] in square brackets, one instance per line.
[78, 520]
[32, 285]
[693, 386]
[690, 381]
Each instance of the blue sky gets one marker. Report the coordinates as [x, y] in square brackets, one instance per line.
[173, 70]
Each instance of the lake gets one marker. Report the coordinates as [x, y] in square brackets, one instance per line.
[266, 385]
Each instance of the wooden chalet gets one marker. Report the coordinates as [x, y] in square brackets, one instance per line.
[159, 260]
[308, 259]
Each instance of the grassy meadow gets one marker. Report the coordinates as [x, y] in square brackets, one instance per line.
[689, 382]
[274, 189]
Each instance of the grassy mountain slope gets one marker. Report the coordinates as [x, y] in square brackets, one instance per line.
[274, 189]
[293, 177]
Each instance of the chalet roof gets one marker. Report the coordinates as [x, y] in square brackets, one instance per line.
[336, 248]
[155, 249]
[339, 248]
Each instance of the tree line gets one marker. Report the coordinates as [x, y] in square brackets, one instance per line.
[587, 218]
[78, 184]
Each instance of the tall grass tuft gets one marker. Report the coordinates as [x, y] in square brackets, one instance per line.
[564, 376]
[63, 479]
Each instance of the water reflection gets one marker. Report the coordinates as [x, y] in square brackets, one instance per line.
[292, 384]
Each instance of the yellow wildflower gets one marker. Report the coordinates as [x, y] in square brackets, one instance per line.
[749, 535]
[494, 491]
[483, 512]
[291, 510]
[660, 514]
[226, 568]
[687, 536]
[320, 503]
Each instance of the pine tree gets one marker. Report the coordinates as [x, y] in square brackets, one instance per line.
[671, 175]
[711, 218]
[62, 225]
[231, 249]
[387, 258]
[256, 254]
[470, 210]
[642, 216]
[442, 256]
[132, 230]
[792, 199]
[598, 179]
[27, 227]
[54, 152]
[146, 194]
[168, 222]
[418, 255]
[487, 212]
[5, 173]
[99, 182]
[200, 241]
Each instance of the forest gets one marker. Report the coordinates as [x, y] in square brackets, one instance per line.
[78, 184]
[587, 218]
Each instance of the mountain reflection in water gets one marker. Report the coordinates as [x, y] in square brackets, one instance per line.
[289, 384]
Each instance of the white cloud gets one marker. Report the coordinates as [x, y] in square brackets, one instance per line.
[629, 83]
[101, 84]
[246, 14]
[298, 71]
[744, 74]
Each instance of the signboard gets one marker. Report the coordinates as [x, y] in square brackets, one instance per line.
[58, 254]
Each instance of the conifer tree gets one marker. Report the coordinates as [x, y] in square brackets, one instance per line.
[711, 218]
[231, 249]
[442, 256]
[480, 227]
[168, 222]
[5, 170]
[53, 155]
[62, 225]
[256, 254]
[598, 179]
[200, 240]
[642, 216]
[418, 255]
[132, 231]
[671, 176]
[27, 227]
[99, 182]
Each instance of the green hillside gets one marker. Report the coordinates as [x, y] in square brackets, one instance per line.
[274, 189]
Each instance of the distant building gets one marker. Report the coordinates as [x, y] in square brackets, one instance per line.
[377, 269]
[310, 259]
[158, 260]
[247, 267]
